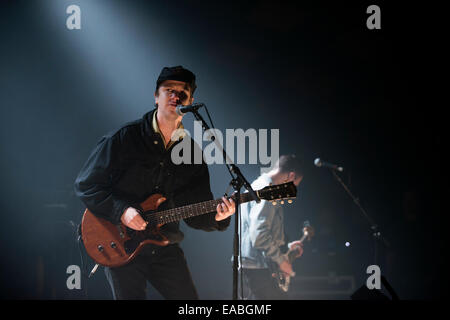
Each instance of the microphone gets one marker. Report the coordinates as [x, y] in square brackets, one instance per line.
[320, 163]
[182, 110]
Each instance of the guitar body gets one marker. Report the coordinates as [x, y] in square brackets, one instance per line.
[282, 278]
[114, 245]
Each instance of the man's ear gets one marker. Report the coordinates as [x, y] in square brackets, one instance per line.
[156, 99]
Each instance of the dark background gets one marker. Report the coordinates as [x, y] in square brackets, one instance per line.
[364, 99]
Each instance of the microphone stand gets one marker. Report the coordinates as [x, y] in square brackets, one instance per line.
[237, 182]
[378, 238]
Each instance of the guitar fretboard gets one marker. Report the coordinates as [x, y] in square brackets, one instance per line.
[191, 210]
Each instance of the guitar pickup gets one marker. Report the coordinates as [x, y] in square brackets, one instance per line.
[121, 234]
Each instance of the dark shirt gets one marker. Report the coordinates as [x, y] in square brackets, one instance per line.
[132, 163]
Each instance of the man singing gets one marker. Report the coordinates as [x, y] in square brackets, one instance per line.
[133, 162]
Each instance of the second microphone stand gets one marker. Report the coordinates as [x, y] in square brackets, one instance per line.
[377, 236]
[373, 226]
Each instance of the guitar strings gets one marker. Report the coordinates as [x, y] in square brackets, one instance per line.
[191, 210]
[187, 211]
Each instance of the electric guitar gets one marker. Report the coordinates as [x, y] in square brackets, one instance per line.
[282, 278]
[115, 245]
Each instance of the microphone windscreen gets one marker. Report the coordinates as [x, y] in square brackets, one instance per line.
[318, 162]
[178, 111]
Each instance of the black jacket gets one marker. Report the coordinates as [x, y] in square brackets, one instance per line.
[130, 164]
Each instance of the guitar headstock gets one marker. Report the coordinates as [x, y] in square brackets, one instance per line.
[308, 231]
[285, 191]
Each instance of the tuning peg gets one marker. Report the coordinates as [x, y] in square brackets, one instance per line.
[281, 202]
[274, 203]
[289, 201]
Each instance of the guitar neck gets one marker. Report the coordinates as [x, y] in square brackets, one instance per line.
[191, 210]
[292, 254]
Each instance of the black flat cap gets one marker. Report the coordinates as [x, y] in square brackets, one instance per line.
[177, 73]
